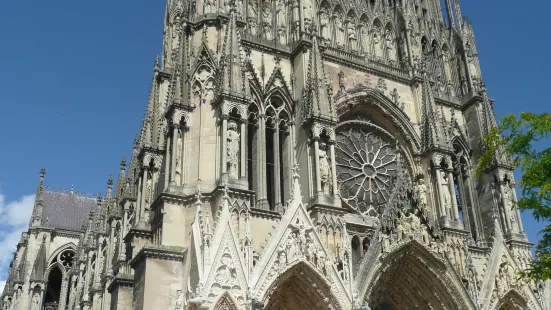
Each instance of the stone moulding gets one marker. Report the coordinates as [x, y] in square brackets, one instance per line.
[161, 252]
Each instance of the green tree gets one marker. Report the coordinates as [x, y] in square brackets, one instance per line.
[515, 139]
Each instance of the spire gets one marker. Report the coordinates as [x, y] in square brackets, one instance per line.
[121, 180]
[318, 100]
[230, 62]
[36, 219]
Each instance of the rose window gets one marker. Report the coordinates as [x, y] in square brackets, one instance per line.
[366, 169]
[66, 258]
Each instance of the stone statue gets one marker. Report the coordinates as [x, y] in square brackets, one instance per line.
[233, 150]
[364, 32]
[339, 30]
[446, 194]
[35, 302]
[267, 27]
[307, 12]
[377, 45]
[352, 37]
[422, 194]
[251, 17]
[325, 173]
[296, 20]
[179, 301]
[148, 191]
[178, 152]
[389, 39]
[324, 26]
[281, 14]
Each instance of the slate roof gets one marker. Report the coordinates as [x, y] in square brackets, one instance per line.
[65, 210]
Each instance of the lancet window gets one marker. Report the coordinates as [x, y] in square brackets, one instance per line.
[269, 152]
[464, 192]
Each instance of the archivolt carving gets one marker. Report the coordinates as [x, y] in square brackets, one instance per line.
[398, 118]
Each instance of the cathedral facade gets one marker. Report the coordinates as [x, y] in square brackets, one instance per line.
[295, 154]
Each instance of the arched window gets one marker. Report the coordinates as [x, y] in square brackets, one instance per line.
[53, 289]
[356, 251]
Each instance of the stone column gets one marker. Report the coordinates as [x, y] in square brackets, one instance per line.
[243, 151]
[451, 186]
[440, 192]
[89, 275]
[224, 157]
[175, 133]
[517, 211]
[183, 132]
[122, 233]
[317, 164]
[505, 208]
[261, 158]
[408, 45]
[333, 167]
[73, 292]
[168, 161]
[63, 293]
[277, 182]
[138, 201]
[111, 247]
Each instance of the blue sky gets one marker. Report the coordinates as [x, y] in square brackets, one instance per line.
[75, 77]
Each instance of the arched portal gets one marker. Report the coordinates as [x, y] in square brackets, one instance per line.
[412, 278]
[300, 288]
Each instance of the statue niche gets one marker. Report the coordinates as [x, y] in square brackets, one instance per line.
[352, 36]
[267, 26]
[378, 48]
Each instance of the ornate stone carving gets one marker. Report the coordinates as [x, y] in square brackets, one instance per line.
[390, 46]
[179, 305]
[352, 37]
[35, 301]
[446, 195]
[324, 26]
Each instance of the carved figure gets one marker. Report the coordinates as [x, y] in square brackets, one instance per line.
[391, 50]
[377, 45]
[364, 36]
[179, 301]
[251, 17]
[148, 191]
[267, 27]
[446, 194]
[325, 173]
[296, 20]
[179, 155]
[233, 150]
[395, 96]
[352, 37]
[422, 194]
[307, 12]
[35, 302]
[339, 30]
[324, 26]
[281, 14]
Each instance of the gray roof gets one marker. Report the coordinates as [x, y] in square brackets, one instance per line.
[65, 210]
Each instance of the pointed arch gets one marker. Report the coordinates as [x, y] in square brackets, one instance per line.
[373, 102]
[225, 301]
[300, 287]
[414, 275]
[68, 246]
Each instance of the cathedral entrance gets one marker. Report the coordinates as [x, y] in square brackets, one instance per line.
[300, 288]
[412, 279]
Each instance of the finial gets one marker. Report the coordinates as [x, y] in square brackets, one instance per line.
[100, 198]
[199, 196]
[110, 181]
[137, 140]
[72, 188]
[226, 191]
[123, 162]
[42, 173]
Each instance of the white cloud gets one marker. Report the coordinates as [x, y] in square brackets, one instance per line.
[2, 284]
[14, 219]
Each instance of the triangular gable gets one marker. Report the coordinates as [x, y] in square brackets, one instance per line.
[296, 241]
[226, 270]
[203, 57]
[277, 83]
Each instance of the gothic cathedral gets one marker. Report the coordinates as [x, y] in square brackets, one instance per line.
[295, 154]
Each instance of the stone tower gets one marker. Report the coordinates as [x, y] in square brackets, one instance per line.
[295, 154]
